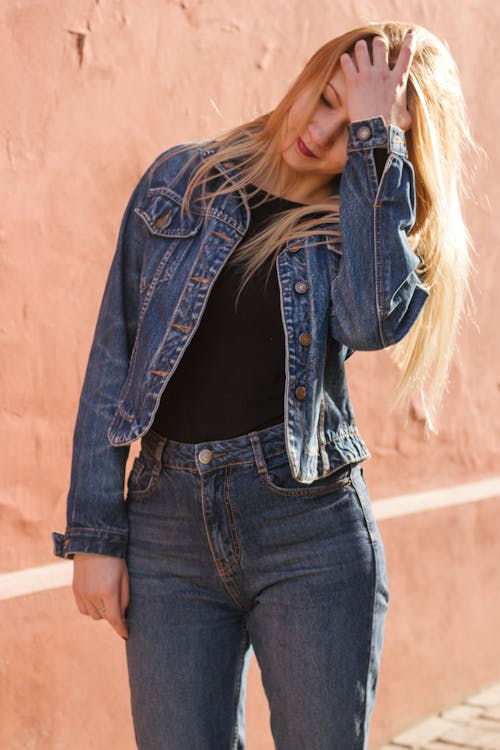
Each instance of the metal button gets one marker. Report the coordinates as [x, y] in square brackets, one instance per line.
[294, 248]
[305, 339]
[364, 132]
[301, 287]
[300, 392]
[205, 456]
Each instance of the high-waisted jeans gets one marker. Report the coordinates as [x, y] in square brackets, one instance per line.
[228, 555]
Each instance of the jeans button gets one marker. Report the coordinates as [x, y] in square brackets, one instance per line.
[205, 456]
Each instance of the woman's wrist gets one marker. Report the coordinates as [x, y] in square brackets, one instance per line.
[375, 133]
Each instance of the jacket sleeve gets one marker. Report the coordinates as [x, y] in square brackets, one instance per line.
[377, 294]
[96, 511]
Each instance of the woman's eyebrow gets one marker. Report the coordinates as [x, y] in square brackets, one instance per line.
[336, 93]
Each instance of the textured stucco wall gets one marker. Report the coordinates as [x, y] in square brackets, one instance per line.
[91, 92]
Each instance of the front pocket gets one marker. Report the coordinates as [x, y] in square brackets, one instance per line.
[278, 479]
[142, 479]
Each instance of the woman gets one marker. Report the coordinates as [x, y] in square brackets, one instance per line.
[248, 269]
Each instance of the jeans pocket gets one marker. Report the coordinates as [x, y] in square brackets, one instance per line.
[278, 479]
[142, 479]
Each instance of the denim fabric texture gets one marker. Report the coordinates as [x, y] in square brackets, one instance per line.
[229, 554]
[360, 293]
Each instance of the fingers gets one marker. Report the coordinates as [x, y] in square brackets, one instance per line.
[403, 63]
[373, 88]
[101, 589]
[114, 616]
[361, 58]
[110, 609]
[347, 65]
[97, 611]
[124, 594]
[379, 52]
[80, 604]
[94, 610]
[361, 54]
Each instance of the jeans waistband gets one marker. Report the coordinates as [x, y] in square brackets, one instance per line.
[254, 447]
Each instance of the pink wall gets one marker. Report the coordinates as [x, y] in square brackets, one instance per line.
[91, 92]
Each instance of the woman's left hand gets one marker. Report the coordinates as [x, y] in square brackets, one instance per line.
[374, 89]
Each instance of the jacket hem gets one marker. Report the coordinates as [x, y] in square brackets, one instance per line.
[344, 448]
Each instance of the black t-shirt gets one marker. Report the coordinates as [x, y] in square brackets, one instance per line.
[231, 378]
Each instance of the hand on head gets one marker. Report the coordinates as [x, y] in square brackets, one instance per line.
[373, 88]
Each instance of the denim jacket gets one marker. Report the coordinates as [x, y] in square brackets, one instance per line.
[361, 292]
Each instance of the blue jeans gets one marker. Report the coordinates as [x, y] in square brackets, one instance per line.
[229, 554]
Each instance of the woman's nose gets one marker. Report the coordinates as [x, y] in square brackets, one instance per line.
[323, 134]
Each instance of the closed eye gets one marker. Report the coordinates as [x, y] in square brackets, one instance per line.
[325, 101]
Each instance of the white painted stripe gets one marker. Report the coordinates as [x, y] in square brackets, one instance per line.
[421, 501]
[59, 574]
[31, 580]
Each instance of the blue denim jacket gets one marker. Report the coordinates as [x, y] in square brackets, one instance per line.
[359, 293]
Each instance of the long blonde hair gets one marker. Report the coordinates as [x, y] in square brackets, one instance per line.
[439, 138]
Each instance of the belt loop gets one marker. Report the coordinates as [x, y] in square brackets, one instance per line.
[258, 452]
[158, 455]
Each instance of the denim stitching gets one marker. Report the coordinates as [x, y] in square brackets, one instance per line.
[142, 312]
[307, 491]
[220, 566]
[207, 532]
[83, 529]
[193, 468]
[155, 467]
[372, 614]
[378, 243]
[232, 524]
[233, 593]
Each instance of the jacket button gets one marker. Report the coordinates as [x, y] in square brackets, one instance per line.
[364, 132]
[300, 392]
[305, 339]
[205, 456]
[294, 248]
[301, 287]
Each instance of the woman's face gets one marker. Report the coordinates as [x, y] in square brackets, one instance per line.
[317, 150]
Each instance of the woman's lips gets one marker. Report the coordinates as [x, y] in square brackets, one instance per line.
[304, 150]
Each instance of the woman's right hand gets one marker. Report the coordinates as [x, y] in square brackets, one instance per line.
[101, 589]
[374, 88]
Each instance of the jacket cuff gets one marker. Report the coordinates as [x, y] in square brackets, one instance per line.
[93, 541]
[374, 133]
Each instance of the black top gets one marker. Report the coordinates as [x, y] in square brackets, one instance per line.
[231, 378]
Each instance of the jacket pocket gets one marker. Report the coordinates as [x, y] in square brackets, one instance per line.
[170, 232]
[163, 216]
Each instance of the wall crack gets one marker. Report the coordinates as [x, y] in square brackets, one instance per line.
[79, 38]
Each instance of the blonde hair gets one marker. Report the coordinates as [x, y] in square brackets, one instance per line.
[440, 136]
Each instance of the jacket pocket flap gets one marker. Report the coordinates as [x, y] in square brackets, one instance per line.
[163, 217]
